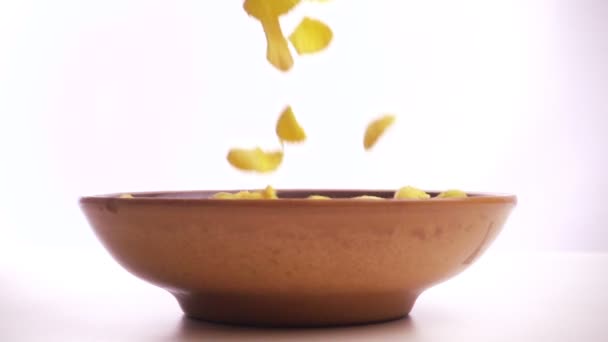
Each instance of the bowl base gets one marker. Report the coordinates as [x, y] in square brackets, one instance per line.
[296, 310]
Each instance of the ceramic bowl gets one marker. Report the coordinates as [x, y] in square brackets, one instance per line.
[295, 261]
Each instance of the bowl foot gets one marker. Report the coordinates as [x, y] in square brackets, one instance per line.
[296, 310]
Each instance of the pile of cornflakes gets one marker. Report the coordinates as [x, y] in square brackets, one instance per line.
[407, 192]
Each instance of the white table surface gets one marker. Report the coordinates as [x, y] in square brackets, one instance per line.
[503, 297]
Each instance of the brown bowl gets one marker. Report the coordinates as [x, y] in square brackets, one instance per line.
[294, 261]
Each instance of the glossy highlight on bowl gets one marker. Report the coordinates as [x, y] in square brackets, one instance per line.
[293, 261]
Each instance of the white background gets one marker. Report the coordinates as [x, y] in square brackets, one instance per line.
[133, 95]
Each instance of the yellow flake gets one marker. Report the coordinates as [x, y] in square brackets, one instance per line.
[411, 193]
[277, 50]
[452, 193]
[263, 9]
[318, 197]
[268, 13]
[267, 193]
[255, 159]
[288, 129]
[375, 130]
[223, 195]
[239, 195]
[311, 36]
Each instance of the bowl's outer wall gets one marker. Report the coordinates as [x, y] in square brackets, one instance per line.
[249, 248]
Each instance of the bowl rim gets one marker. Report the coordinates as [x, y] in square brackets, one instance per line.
[164, 197]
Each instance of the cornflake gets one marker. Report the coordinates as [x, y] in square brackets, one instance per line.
[367, 197]
[311, 36]
[288, 129]
[452, 193]
[318, 197]
[409, 192]
[376, 129]
[255, 159]
[267, 193]
[268, 13]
